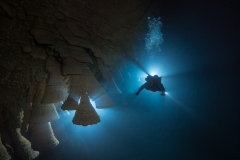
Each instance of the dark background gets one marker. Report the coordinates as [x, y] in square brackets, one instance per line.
[197, 120]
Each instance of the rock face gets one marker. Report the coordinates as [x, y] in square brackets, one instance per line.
[51, 52]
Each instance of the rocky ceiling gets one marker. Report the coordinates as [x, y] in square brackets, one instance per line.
[54, 52]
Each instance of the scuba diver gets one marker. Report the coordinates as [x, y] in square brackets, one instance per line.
[153, 83]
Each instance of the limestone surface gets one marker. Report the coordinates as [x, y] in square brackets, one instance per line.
[51, 52]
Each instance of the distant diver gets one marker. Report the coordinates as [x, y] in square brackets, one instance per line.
[153, 83]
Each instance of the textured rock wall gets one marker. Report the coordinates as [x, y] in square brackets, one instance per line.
[45, 46]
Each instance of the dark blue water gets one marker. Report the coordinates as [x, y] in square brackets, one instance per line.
[197, 120]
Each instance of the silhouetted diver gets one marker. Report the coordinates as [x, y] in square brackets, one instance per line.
[153, 83]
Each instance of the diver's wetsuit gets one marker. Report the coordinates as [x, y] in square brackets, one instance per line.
[153, 83]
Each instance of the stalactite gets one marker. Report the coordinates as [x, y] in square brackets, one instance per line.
[43, 113]
[59, 109]
[72, 101]
[102, 100]
[27, 108]
[111, 86]
[39, 92]
[94, 89]
[85, 114]
[24, 147]
[42, 136]
[21, 144]
[70, 104]
[3, 151]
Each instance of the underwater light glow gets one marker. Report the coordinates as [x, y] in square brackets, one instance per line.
[101, 112]
[154, 71]
[93, 103]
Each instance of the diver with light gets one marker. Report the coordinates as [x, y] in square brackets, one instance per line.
[153, 83]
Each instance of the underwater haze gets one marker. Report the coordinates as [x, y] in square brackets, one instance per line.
[199, 117]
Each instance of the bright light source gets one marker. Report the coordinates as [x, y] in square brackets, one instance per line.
[66, 113]
[142, 76]
[154, 71]
[101, 112]
[93, 103]
[166, 92]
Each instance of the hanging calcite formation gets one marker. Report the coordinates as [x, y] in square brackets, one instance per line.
[87, 82]
[73, 68]
[102, 100]
[96, 92]
[42, 113]
[81, 85]
[22, 145]
[43, 46]
[72, 101]
[85, 114]
[27, 108]
[42, 136]
[111, 86]
[70, 104]
[58, 106]
[12, 112]
[59, 109]
[3, 151]
[56, 90]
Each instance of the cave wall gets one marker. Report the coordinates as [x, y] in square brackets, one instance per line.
[51, 54]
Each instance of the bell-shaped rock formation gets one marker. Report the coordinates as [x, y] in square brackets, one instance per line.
[85, 114]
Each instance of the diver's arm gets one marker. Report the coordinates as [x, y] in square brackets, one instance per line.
[140, 89]
[162, 89]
